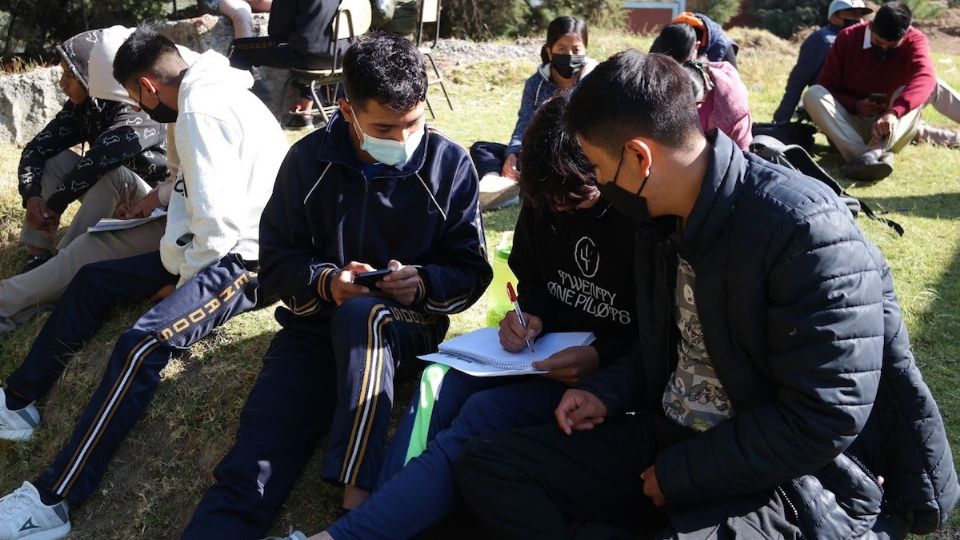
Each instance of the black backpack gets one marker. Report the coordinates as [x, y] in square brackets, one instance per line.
[796, 158]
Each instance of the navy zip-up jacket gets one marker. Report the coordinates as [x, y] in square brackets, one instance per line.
[324, 213]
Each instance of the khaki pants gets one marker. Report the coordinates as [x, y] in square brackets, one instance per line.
[851, 134]
[24, 295]
[946, 100]
[98, 202]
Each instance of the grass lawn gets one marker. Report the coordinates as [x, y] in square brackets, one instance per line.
[161, 470]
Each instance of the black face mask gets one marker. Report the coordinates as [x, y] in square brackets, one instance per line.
[161, 113]
[847, 23]
[629, 204]
[567, 65]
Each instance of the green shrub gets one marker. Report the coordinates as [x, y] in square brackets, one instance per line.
[924, 9]
[39, 25]
[485, 19]
[718, 10]
[785, 17]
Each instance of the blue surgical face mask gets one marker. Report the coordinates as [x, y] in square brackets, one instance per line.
[389, 151]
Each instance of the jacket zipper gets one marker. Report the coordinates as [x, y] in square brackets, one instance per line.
[865, 469]
[790, 505]
[363, 215]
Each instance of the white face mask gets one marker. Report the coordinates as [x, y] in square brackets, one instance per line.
[389, 151]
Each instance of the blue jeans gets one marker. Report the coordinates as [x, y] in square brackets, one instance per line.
[411, 498]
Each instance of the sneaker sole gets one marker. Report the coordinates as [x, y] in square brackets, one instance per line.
[16, 434]
[49, 534]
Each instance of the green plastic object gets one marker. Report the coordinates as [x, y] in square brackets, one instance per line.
[498, 301]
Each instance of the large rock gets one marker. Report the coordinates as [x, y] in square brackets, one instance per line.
[28, 101]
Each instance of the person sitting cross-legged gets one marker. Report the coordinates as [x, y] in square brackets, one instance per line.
[375, 190]
[230, 148]
[877, 78]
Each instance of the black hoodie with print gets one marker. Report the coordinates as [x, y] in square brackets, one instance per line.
[116, 136]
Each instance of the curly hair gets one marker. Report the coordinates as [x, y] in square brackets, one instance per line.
[386, 68]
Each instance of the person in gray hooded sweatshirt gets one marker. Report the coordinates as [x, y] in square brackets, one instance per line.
[126, 155]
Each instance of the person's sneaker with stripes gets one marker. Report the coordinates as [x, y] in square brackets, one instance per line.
[23, 516]
[17, 425]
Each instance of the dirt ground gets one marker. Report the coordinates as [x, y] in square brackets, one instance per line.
[943, 32]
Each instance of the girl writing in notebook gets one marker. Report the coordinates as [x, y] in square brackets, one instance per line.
[573, 259]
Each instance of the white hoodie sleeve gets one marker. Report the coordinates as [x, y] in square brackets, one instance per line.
[210, 194]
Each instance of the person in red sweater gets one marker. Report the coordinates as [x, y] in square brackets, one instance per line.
[876, 79]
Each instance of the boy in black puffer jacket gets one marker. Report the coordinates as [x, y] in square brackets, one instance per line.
[768, 332]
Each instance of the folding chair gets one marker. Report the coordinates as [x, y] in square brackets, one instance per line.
[430, 14]
[352, 20]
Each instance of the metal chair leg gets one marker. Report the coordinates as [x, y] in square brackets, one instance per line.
[316, 100]
[443, 87]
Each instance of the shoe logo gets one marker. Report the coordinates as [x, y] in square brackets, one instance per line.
[28, 525]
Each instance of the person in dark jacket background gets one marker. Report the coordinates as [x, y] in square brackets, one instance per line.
[767, 325]
[300, 36]
[126, 155]
[376, 189]
[712, 41]
[813, 52]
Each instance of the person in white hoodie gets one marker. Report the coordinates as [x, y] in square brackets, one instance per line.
[230, 148]
[25, 295]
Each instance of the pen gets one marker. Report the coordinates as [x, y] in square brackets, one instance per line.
[516, 308]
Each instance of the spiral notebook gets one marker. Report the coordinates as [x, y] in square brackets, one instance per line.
[479, 353]
[113, 224]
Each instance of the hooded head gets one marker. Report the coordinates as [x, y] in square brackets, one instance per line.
[102, 85]
[75, 53]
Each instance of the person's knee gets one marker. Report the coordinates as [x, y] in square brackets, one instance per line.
[355, 313]
[811, 98]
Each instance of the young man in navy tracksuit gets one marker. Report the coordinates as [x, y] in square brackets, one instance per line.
[375, 189]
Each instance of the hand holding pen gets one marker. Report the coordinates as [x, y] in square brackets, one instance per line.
[518, 329]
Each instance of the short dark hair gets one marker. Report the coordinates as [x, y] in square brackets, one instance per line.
[386, 68]
[892, 21]
[632, 94]
[141, 53]
[676, 40]
[560, 27]
[553, 170]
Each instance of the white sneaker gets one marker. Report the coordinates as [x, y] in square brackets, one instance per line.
[498, 192]
[17, 425]
[24, 516]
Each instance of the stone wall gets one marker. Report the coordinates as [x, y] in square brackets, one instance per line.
[28, 101]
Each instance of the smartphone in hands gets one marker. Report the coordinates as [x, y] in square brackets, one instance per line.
[370, 279]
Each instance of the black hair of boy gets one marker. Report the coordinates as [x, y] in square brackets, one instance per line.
[643, 95]
[386, 68]
[141, 53]
[553, 172]
[892, 21]
[560, 27]
[676, 40]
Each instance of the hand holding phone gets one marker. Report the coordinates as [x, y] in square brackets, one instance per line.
[370, 279]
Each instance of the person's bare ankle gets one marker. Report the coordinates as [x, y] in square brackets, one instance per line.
[353, 496]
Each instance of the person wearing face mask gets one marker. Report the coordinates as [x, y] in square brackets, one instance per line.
[813, 52]
[772, 379]
[126, 155]
[204, 273]
[573, 275]
[876, 79]
[376, 189]
[563, 64]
